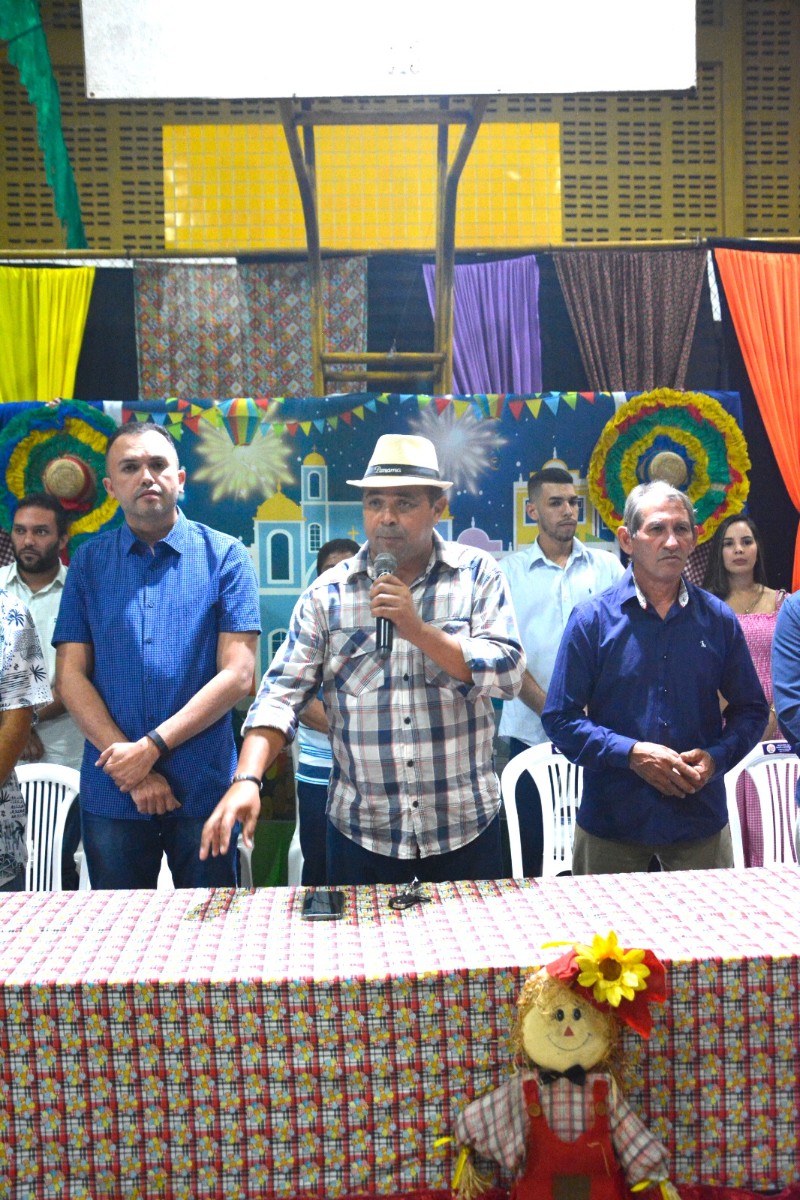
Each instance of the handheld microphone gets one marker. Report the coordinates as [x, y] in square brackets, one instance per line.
[385, 564]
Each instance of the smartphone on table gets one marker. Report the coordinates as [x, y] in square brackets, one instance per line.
[323, 904]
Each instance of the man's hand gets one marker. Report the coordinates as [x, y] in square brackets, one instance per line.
[390, 598]
[128, 763]
[241, 802]
[670, 773]
[153, 796]
[703, 762]
[33, 750]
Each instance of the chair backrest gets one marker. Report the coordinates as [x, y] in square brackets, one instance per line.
[559, 783]
[49, 791]
[774, 777]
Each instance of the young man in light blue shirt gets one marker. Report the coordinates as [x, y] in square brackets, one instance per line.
[546, 581]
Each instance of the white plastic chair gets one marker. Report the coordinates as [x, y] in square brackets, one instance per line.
[294, 856]
[774, 775]
[559, 783]
[49, 791]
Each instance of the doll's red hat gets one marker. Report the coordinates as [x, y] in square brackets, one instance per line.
[622, 982]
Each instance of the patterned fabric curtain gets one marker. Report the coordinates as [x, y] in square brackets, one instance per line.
[218, 330]
[763, 294]
[633, 313]
[496, 342]
[42, 318]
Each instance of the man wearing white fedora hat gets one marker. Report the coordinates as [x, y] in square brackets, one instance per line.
[410, 640]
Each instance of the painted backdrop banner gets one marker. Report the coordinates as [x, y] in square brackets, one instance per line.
[273, 471]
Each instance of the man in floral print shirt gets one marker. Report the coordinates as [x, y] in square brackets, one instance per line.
[23, 686]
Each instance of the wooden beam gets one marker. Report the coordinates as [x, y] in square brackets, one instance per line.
[304, 164]
[446, 202]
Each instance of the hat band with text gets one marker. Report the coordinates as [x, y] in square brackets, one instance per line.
[401, 469]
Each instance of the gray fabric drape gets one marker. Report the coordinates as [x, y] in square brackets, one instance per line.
[634, 314]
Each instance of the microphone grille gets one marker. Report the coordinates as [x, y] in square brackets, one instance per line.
[385, 564]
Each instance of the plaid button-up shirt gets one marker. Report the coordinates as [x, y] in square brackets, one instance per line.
[412, 746]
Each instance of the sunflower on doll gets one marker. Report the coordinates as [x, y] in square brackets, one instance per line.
[560, 1125]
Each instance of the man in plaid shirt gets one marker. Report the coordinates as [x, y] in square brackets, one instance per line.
[413, 790]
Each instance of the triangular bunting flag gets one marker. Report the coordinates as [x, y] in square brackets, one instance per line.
[590, 396]
[320, 424]
[496, 406]
[306, 427]
[359, 412]
[291, 428]
[534, 407]
[440, 403]
[551, 401]
[461, 406]
[570, 398]
[347, 417]
[516, 407]
[333, 422]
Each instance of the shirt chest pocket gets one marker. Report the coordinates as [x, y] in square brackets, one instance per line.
[354, 662]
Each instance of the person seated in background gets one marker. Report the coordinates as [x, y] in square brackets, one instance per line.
[634, 700]
[39, 534]
[413, 791]
[314, 755]
[23, 688]
[736, 573]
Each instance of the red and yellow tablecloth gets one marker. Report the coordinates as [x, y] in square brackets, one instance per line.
[212, 1045]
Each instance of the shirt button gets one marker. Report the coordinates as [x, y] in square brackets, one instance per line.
[147, 641]
[406, 720]
[415, 803]
[410, 762]
[405, 677]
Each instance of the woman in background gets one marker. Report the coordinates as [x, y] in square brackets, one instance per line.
[735, 572]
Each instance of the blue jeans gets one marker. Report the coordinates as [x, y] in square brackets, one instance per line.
[349, 863]
[127, 854]
[312, 799]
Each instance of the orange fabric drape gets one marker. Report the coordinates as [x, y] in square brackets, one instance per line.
[763, 293]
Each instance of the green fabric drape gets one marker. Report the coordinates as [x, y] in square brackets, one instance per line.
[42, 318]
[21, 27]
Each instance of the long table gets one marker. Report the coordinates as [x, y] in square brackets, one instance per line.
[199, 1044]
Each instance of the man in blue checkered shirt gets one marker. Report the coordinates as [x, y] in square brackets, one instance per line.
[156, 639]
[413, 790]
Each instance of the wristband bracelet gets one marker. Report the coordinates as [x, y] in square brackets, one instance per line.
[159, 743]
[247, 779]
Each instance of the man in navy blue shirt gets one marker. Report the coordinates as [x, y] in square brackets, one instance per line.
[156, 638]
[634, 700]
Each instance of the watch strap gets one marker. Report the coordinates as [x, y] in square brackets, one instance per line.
[247, 779]
[159, 743]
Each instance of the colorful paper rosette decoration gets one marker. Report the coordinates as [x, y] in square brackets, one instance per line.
[59, 448]
[684, 438]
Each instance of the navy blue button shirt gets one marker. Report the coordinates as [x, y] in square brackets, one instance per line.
[644, 679]
[154, 622]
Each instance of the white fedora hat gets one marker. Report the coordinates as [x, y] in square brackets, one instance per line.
[402, 460]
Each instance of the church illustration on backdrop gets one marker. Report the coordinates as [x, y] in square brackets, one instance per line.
[288, 535]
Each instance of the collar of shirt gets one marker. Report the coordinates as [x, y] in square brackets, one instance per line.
[56, 582]
[538, 555]
[683, 592]
[175, 539]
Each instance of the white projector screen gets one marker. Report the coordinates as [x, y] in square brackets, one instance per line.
[242, 49]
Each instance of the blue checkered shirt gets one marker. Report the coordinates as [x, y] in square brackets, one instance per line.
[412, 746]
[154, 622]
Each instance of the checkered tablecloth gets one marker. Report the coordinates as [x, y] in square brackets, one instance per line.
[213, 1045]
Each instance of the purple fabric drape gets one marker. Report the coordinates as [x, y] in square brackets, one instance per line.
[496, 342]
[634, 314]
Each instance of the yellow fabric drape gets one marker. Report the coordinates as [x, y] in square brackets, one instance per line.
[763, 293]
[42, 318]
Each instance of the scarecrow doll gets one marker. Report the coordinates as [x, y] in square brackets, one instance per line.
[560, 1125]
